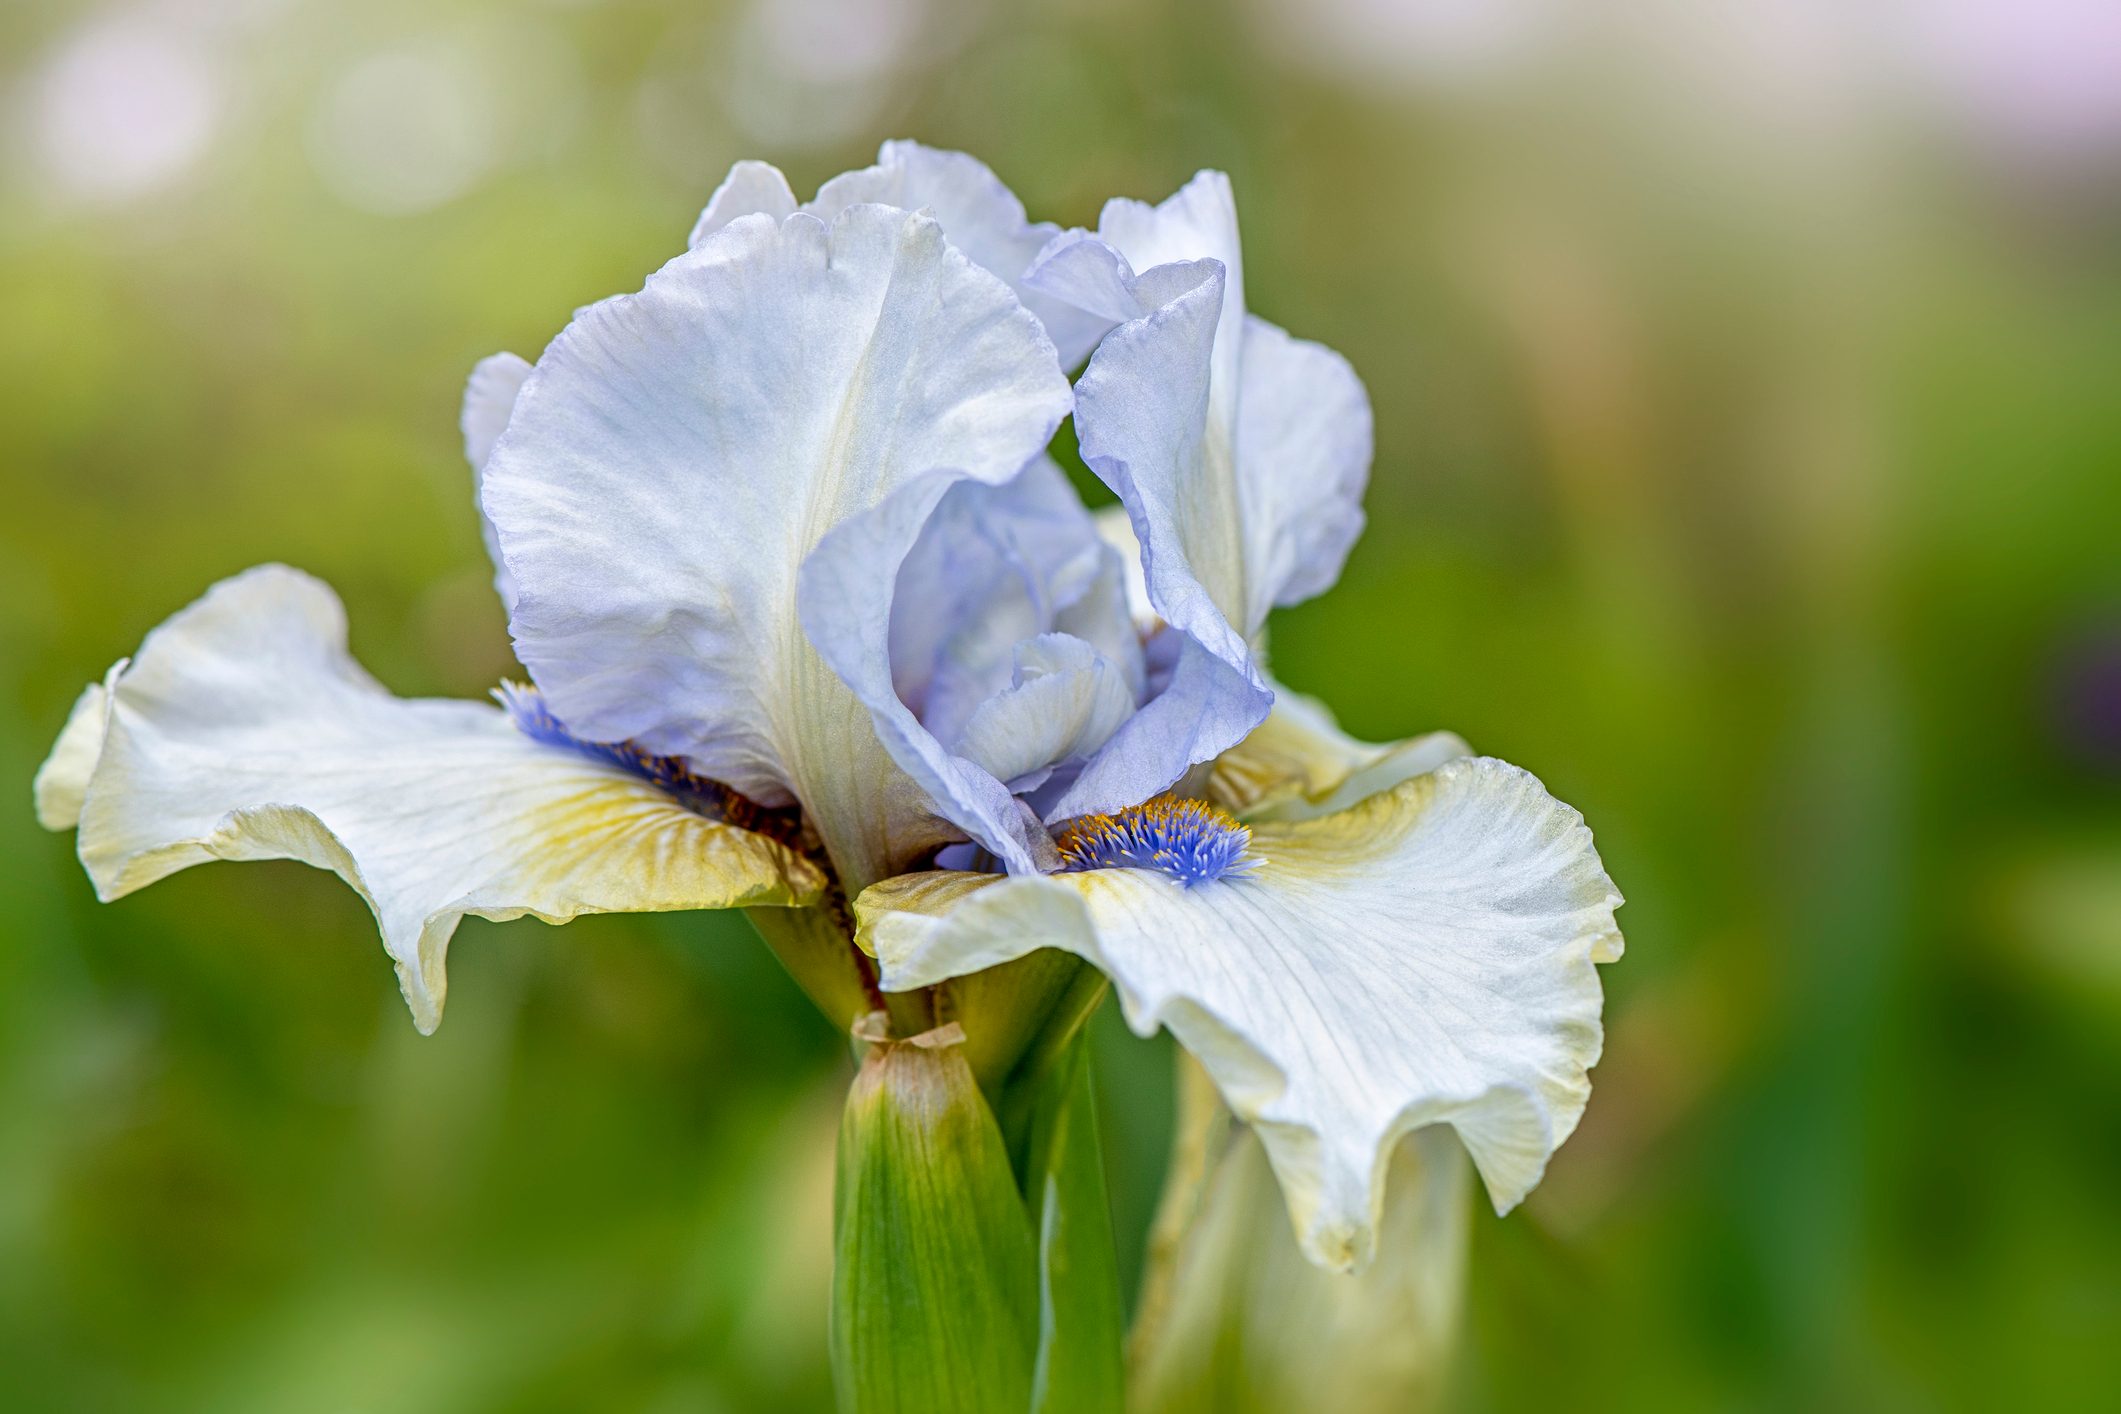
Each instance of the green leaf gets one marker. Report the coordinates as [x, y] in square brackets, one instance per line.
[1079, 1370]
[935, 1306]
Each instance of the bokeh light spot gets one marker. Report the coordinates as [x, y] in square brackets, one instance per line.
[125, 106]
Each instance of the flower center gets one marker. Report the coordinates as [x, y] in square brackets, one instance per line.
[1190, 840]
[526, 706]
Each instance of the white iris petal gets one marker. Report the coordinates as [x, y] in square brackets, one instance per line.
[994, 568]
[1299, 764]
[1423, 957]
[767, 425]
[981, 216]
[1241, 453]
[1065, 701]
[489, 397]
[244, 730]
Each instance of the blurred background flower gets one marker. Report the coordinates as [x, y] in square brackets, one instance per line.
[1744, 378]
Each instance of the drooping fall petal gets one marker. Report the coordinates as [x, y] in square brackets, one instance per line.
[1426, 956]
[243, 729]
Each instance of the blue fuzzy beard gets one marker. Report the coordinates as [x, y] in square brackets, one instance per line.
[1189, 840]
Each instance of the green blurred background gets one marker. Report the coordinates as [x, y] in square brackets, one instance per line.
[1749, 466]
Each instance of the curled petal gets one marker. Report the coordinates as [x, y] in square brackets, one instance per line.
[489, 397]
[243, 729]
[1143, 425]
[1067, 700]
[848, 618]
[1299, 764]
[980, 215]
[1142, 416]
[994, 566]
[1196, 222]
[752, 188]
[1201, 705]
[1243, 461]
[1424, 957]
[676, 457]
[63, 778]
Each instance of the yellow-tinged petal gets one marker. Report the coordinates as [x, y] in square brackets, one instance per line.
[1251, 1326]
[63, 778]
[706, 493]
[1299, 764]
[245, 730]
[1425, 956]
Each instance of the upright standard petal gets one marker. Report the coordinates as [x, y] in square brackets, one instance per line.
[752, 188]
[1066, 699]
[1196, 222]
[980, 215]
[1142, 414]
[489, 397]
[678, 454]
[1301, 456]
[1116, 528]
[1265, 494]
[243, 729]
[1424, 957]
[994, 567]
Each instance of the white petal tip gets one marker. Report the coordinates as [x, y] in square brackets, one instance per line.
[62, 781]
[1340, 1248]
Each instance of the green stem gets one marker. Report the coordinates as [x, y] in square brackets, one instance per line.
[1048, 1048]
[822, 958]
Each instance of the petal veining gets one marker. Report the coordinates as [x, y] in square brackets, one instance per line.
[1065, 701]
[1424, 957]
[980, 215]
[1247, 459]
[526, 708]
[489, 397]
[243, 729]
[678, 455]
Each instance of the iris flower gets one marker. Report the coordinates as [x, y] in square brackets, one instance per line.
[812, 621]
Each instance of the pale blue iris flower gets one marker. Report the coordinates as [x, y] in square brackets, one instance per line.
[809, 612]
